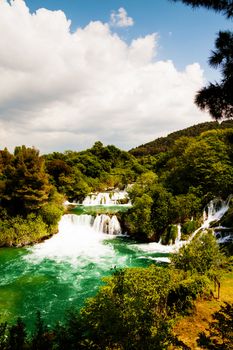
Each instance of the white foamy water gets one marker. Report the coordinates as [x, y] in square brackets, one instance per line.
[107, 198]
[212, 213]
[75, 240]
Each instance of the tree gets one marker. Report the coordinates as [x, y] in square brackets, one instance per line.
[217, 98]
[224, 6]
[130, 311]
[202, 256]
[26, 185]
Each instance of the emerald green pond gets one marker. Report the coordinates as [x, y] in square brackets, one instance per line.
[62, 272]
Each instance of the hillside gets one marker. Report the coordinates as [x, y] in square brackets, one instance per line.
[162, 144]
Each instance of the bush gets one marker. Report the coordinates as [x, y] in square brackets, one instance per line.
[201, 255]
[18, 231]
[184, 292]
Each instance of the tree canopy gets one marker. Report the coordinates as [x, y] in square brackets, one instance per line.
[223, 6]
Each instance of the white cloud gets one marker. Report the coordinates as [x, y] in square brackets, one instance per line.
[61, 90]
[121, 19]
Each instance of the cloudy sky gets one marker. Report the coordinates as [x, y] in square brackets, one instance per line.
[122, 72]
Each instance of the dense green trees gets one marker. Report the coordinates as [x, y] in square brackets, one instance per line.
[170, 187]
[30, 205]
[78, 173]
[24, 182]
[202, 256]
[180, 182]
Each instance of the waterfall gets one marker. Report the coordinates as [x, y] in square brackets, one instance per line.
[106, 224]
[107, 198]
[76, 242]
[223, 234]
[178, 238]
[213, 212]
[101, 223]
[82, 220]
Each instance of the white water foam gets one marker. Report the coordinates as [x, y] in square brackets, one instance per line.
[107, 198]
[76, 239]
[212, 213]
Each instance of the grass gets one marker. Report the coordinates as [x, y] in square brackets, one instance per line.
[189, 327]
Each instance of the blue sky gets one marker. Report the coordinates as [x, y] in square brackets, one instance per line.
[122, 72]
[186, 35]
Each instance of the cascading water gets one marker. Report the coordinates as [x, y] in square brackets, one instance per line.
[213, 212]
[77, 237]
[107, 224]
[63, 271]
[178, 238]
[107, 198]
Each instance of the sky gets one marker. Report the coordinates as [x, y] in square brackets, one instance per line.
[121, 72]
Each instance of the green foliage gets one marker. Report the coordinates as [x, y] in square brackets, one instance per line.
[164, 144]
[170, 234]
[130, 311]
[182, 294]
[202, 255]
[224, 6]
[13, 337]
[134, 310]
[219, 335]
[25, 185]
[204, 163]
[52, 211]
[78, 173]
[17, 230]
[217, 98]
[17, 336]
[189, 227]
[139, 218]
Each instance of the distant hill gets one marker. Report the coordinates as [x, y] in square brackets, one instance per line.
[162, 144]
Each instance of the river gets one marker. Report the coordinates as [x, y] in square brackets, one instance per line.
[63, 271]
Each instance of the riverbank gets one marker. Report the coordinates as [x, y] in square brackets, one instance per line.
[188, 328]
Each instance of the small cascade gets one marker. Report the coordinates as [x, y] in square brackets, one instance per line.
[101, 223]
[178, 238]
[223, 235]
[213, 212]
[106, 224]
[82, 220]
[107, 198]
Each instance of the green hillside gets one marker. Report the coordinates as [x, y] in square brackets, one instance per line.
[162, 144]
